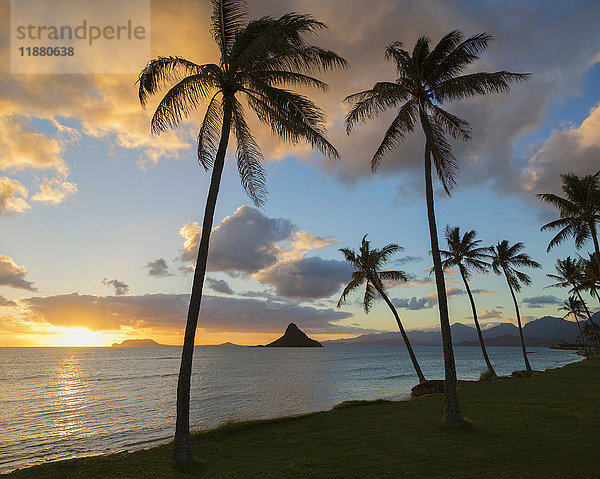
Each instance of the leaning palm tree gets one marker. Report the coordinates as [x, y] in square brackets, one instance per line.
[465, 253]
[505, 259]
[569, 273]
[257, 59]
[368, 263]
[426, 79]
[574, 307]
[579, 210]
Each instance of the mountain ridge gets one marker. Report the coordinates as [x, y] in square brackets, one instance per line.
[544, 331]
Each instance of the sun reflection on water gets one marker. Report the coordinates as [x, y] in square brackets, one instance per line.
[71, 396]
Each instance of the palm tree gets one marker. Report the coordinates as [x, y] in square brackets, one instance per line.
[579, 210]
[574, 307]
[569, 274]
[257, 59]
[590, 275]
[504, 260]
[464, 252]
[427, 79]
[368, 263]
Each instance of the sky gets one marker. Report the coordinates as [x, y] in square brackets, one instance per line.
[100, 220]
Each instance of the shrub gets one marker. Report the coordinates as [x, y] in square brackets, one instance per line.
[487, 375]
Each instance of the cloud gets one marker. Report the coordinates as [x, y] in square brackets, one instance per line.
[426, 302]
[21, 147]
[54, 191]
[541, 301]
[302, 243]
[245, 242]
[482, 291]
[7, 303]
[219, 285]
[306, 277]
[524, 320]
[12, 197]
[413, 280]
[413, 303]
[168, 311]
[13, 275]
[488, 314]
[120, 287]
[158, 268]
[406, 259]
[577, 143]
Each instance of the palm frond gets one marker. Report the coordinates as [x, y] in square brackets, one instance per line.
[179, 102]
[161, 72]
[210, 132]
[286, 78]
[369, 104]
[291, 116]
[267, 37]
[462, 55]
[393, 276]
[352, 285]
[401, 125]
[455, 126]
[388, 250]
[306, 60]
[349, 255]
[446, 164]
[249, 158]
[562, 204]
[228, 18]
[370, 293]
[395, 51]
[419, 57]
[481, 83]
[443, 48]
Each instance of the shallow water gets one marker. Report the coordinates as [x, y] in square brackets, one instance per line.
[57, 403]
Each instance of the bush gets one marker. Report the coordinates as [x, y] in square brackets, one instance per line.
[487, 375]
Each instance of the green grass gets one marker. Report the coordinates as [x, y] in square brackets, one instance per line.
[545, 426]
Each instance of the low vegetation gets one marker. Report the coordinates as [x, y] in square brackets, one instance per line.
[535, 427]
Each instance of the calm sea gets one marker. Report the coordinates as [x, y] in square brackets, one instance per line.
[57, 403]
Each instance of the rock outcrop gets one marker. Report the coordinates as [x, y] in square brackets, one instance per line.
[294, 338]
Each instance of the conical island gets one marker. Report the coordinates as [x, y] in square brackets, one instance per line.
[294, 338]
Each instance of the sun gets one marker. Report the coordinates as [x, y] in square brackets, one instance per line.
[80, 337]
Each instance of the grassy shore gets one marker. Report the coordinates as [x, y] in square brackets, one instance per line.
[540, 427]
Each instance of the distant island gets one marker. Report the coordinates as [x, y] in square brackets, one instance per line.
[294, 338]
[137, 343]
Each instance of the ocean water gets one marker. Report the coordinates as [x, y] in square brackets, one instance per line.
[58, 403]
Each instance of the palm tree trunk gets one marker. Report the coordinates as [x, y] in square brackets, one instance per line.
[594, 236]
[182, 449]
[527, 365]
[479, 334]
[587, 349]
[411, 353]
[452, 416]
[587, 312]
